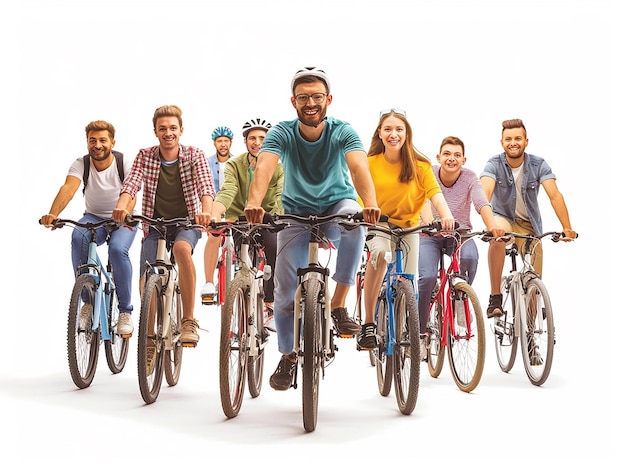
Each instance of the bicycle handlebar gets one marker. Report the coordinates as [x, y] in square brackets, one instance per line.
[555, 236]
[182, 222]
[107, 222]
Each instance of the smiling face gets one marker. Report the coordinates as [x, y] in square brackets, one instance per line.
[451, 159]
[311, 113]
[514, 142]
[254, 140]
[392, 133]
[99, 145]
[168, 131]
[222, 147]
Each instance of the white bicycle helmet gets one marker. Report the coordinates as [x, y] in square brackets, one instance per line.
[255, 123]
[310, 71]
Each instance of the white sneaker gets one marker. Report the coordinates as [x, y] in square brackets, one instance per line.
[208, 295]
[85, 316]
[125, 325]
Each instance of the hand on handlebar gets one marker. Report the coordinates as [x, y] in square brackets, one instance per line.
[254, 214]
[569, 235]
[371, 215]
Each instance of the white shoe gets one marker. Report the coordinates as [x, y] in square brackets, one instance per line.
[208, 295]
[85, 316]
[268, 317]
[125, 325]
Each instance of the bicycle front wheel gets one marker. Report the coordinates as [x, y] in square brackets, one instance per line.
[537, 331]
[504, 327]
[406, 352]
[150, 342]
[312, 332]
[83, 342]
[173, 358]
[466, 345]
[116, 349]
[436, 349]
[383, 361]
[233, 345]
[255, 362]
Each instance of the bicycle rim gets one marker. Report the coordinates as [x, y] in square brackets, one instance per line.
[436, 349]
[384, 362]
[537, 333]
[233, 346]
[150, 342]
[116, 349]
[406, 358]
[504, 328]
[312, 352]
[466, 347]
[173, 358]
[83, 343]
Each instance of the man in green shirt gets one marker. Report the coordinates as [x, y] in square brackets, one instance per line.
[231, 201]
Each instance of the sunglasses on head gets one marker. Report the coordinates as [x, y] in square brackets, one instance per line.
[394, 110]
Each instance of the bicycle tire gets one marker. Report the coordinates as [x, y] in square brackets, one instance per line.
[116, 349]
[384, 361]
[466, 352]
[233, 345]
[173, 358]
[359, 308]
[406, 370]
[256, 362]
[82, 344]
[436, 348]
[539, 329]
[504, 327]
[150, 346]
[312, 353]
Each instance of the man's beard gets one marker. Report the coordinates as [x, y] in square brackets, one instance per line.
[104, 157]
[310, 121]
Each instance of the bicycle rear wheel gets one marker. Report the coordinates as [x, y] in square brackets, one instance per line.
[312, 362]
[406, 352]
[537, 332]
[383, 361]
[359, 309]
[173, 358]
[255, 363]
[504, 327]
[436, 349]
[466, 347]
[83, 342]
[150, 342]
[233, 345]
[116, 349]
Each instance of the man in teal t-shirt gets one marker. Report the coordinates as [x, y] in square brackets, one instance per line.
[325, 167]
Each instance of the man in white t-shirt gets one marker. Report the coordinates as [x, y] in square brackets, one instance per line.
[102, 191]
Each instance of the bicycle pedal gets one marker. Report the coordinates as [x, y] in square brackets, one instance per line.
[345, 336]
[126, 336]
[188, 344]
[209, 300]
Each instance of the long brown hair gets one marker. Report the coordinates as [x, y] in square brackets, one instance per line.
[408, 154]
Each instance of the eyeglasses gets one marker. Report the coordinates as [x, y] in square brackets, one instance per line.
[303, 98]
[394, 110]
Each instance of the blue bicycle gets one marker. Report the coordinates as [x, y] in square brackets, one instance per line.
[397, 353]
[93, 312]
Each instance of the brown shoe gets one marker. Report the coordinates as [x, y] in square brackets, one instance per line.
[189, 332]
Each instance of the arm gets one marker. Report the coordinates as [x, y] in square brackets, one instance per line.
[426, 215]
[122, 208]
[488, 185]
[363, 184]
[440, 204]
[265, 167]
[558, 204]
[63, 197]
[490, 222]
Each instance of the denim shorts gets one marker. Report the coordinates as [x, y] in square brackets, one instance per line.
[149, 244]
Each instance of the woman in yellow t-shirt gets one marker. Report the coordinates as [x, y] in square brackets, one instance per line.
[404, 181]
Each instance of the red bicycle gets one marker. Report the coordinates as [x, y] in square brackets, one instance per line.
[225, 266]
[456, 321]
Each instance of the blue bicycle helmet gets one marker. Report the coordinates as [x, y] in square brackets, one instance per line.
[255, 123]
[222, 131]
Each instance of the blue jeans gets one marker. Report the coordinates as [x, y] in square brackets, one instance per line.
[119, 246]
[293, 253]
[428, 266]
[150, 243]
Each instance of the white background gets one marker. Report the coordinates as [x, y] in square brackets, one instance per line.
[457, 68]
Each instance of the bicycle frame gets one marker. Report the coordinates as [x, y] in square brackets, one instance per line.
[166, 269]
[316, 271]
